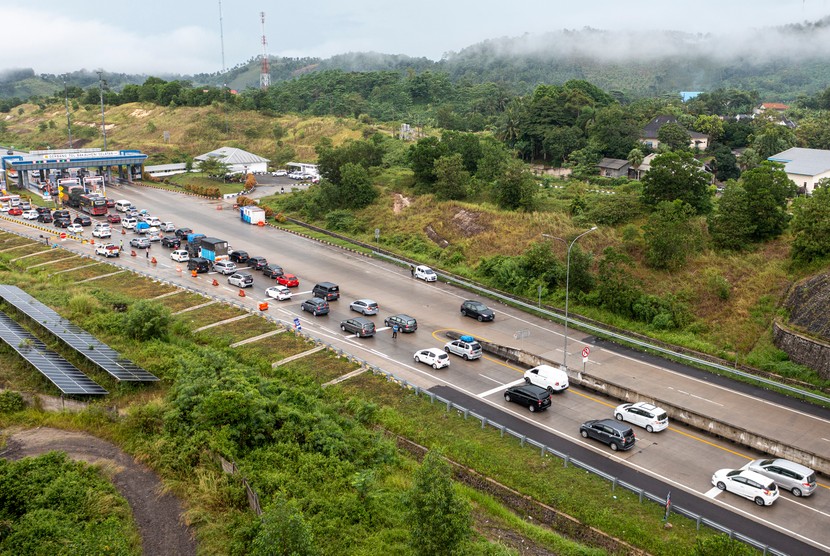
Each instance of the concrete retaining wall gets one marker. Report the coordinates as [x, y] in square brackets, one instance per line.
[803, 350]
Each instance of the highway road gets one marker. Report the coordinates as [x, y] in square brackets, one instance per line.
[678, 459]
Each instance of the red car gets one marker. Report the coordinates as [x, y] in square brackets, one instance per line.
[113, 218]
[288, 280]
[15, 211]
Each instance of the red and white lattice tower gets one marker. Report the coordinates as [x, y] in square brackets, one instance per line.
[265, 73]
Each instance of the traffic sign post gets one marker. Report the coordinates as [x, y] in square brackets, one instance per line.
[586, 351]
[297, 326]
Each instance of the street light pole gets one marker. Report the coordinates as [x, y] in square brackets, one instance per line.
[568, 286]
[103, 122]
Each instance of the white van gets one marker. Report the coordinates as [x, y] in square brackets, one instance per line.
[555, 380]
[129, 223]
[122, 205]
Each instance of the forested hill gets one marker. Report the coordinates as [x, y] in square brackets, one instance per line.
[781, 63]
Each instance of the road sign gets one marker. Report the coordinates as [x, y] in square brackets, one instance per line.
[63, 235]
[586, 351]
[297, 325]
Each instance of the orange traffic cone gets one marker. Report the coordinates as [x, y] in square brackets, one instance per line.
[92, 242]
[123, 232]
[193, 273]
[241, 293]
[215, 283]
[153, 260]
[263, 306]
[132, 253]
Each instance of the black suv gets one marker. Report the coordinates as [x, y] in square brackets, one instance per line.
[61, 213]
[199, 264]
[272, 271]
[62, 222]
[315, 306]
[404, 322]
[44, 217]
[477, 310]
[535, 398]
[327, 290]
[257, 263]
[171, 241]
[83, 220]
[617, 435]
[181, 233]
[361, 326]
[239, 256]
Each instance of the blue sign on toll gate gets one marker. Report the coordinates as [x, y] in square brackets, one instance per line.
[297, 324]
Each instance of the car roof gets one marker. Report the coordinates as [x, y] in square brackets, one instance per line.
[781, 462]
[530, 388]
[755, 476]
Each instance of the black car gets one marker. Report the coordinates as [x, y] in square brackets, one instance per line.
[617, 435]
[535, 398]
[42, 210]
[239, 256]
[61, 213]
[62, 222]
[257, 263]
[171, 241]
[44, 217]
[199, 264]
[272, 271]
[83, 220]
[404, 322]
[477, 310]
[181, 233]
[361, 326]
[315, 306]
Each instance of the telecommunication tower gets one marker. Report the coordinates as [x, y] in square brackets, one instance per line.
[265, 73]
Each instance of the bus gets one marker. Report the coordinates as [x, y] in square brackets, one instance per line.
[93, 204]
[9, 201]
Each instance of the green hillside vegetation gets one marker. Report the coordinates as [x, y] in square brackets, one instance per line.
[334, 468]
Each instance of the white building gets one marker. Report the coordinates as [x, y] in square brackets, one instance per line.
[238, 161]
[804, 166]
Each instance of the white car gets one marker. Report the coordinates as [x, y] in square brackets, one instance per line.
[278, 292]
[75, 228]
[153, 221]
[643, 414]
[746, 483]
[433, 356]
[129, 223]
[279, 173]
[29, 214]
[425, 273]
[180, 255]
[102, 231]
[167, 227]
[465, 347]
[546, 376]
[224, 267]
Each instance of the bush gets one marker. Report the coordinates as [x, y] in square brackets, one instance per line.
[146, 320]
[11, 402]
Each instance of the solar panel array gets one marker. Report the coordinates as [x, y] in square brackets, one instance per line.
[58, 370]
[75, 337]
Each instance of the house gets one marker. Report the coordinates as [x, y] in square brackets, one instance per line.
[805, 167]
[238, 161]
[649, 134]
[613, 167]
[638, 172]
[771, 107]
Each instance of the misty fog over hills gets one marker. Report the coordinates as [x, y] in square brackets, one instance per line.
[781, 63]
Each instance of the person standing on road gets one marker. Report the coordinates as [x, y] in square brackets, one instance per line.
[412, 270]
[147, 252]
[394, 331]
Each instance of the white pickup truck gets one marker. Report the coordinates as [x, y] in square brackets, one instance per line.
[107, 250]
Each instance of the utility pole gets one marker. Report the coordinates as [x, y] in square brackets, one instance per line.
[68, 120]
[103, 121]
[265, 72]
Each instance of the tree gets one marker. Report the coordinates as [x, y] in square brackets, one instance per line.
[147, 320]
[617, 290]
[422, 157]
[674, 136]
[726, 164]
[811, 225]
[677, 176]
[635, 157]
[516, 188]
[451, 178]
[712, 126]
[213, 167]
[671, 235]
[768, 188]
[773, 139]
[283, 532]
[615, 131]
[732, 225]
[440, 519]
[354, 190]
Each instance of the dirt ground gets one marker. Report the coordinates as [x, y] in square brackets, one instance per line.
[157, 514]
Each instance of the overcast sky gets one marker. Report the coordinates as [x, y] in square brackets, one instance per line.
[183, 36]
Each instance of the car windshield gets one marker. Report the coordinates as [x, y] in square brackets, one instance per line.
[478, 306]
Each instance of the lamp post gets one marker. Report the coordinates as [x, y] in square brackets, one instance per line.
[568, 285]
[103, 121]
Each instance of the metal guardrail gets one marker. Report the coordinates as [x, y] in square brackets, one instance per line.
[485, 422]
[799, 392]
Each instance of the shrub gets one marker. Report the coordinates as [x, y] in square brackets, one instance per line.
[11, 402]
